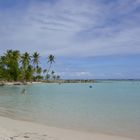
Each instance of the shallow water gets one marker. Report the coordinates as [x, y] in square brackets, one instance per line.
[109, 106]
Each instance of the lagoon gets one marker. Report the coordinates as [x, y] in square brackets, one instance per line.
[111, 107]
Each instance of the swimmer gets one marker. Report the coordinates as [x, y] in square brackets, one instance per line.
[23, 91]
[90, 86]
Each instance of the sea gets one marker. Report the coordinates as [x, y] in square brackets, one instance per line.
[109, 107]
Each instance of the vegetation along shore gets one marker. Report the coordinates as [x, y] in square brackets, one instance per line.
[23, 67]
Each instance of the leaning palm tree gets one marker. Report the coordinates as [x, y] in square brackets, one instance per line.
[16, 66]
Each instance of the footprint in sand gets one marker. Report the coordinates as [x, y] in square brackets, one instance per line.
[32, 136]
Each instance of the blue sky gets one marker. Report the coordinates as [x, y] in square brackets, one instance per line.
[90, 38]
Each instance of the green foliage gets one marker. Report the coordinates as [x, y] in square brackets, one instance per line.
[9, 65]
[15, 66]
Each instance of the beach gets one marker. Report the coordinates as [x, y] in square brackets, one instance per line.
[69, 70]
[20, 130]
[71, 111]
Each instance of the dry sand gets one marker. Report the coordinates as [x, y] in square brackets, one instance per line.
[21, 130]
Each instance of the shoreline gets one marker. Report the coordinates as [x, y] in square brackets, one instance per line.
[17, 83]
[3, 83]
[19, 130]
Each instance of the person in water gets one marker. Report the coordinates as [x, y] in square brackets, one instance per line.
[90, 86]
[23, 91]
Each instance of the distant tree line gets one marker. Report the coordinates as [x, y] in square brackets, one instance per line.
[17, 66]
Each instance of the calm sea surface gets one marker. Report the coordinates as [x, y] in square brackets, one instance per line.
[111, 107]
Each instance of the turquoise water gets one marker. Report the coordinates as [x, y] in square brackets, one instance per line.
[111, 107]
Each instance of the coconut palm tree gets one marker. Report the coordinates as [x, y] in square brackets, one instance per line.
[47, 77]
[54, 77]
[16, 55]
[15, 66]
[3, 68]
[51, 59]
[52, 73]
[25, 61]
[35, 58]
[39, 70]
[29, 73]
[44, 71]
[12, 64]
[57, 77]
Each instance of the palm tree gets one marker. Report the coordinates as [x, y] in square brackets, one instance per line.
[15, 67]
[3, 68]
[16, 55]
[12, 64]
[51, 59]
[29, 73]
[47, 77]
[36, 58]
[8, 53]
[25, 61]
[35, 61]
[57, 77]
[54, 77]
[38, 71]
[44, 71]
[52, 73]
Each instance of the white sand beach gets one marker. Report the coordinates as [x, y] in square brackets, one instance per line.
[20, 130]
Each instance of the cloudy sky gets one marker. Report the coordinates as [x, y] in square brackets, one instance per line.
[89, 38]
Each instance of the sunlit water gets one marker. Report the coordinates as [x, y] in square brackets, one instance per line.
[111, 107]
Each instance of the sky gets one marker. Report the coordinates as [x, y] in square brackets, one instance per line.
[91, 39]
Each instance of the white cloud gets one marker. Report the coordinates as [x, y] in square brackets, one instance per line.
[75, 74]
[66, 29]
